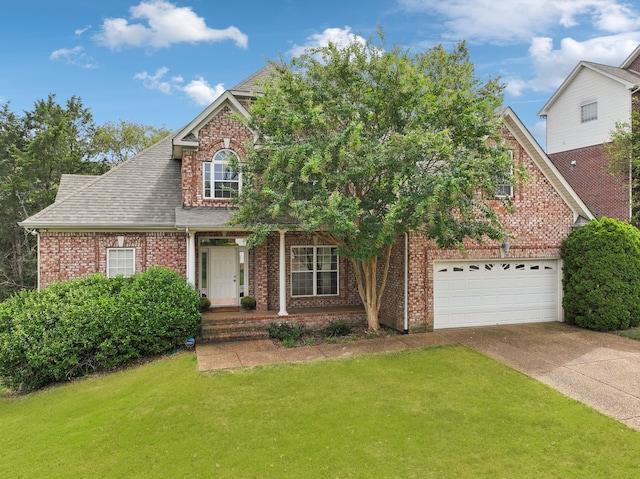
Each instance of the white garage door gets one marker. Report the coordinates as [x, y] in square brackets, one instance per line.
[482, 293]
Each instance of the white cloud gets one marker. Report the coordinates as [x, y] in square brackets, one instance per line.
[161, 24]
[80, 31]
[201, 92]
[337, 36]
[198, 90]
[74, 56]
[155, 82]
[553, 65]
[518, 20]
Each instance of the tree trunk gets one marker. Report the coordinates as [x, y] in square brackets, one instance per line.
[370, 290]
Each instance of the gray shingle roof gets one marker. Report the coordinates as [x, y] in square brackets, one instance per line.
[202, 217]
[622, 74]
[142, 192]
[69, 184]
[251, 85]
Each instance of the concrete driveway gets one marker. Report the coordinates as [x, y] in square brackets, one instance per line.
[599, 369]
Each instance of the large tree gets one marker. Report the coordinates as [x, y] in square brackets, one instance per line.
[36, 149]
[360, 145]
[115, 142]
[623, 152]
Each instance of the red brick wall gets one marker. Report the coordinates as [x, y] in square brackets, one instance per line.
[604, 194]
[211, 138]
[74, 255]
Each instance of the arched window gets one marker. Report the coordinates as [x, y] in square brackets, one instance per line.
[220, 180]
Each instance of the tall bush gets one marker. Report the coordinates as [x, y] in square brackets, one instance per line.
[602, 276]
[76, 327]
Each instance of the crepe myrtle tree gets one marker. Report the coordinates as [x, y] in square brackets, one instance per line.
[360, 145]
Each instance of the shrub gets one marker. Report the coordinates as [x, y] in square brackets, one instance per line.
[285, 331]
[337, 328]
[205, 303]
[75, 327]
[602, 276]
[248, 302]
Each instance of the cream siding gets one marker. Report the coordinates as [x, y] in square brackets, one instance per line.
[565, 131]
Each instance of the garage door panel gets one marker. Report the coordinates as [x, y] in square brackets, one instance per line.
[479, 293]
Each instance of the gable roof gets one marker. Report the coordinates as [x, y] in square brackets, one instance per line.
[628, 78]
[188, 137]
[515, 126]
[631, 58]
[142, 192]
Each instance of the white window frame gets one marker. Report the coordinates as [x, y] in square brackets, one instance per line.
[315, 271]
[117, 270]
[504, 189]
[220, 159]
[589, 112]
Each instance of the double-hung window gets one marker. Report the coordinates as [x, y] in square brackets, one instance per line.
[505, 182]
[121, 262]
[589, 112]
[220, 180]
[314, 270]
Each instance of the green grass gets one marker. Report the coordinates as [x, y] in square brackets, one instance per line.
[442, 412]
[633, 333]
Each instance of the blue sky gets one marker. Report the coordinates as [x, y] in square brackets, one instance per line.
[161, 62]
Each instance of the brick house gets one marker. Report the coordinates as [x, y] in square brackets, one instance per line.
[581, 115]
[169, 205]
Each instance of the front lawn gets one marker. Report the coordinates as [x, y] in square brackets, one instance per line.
[441, 412]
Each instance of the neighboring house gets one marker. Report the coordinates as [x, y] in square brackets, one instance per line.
[580, 116]
[169, 205]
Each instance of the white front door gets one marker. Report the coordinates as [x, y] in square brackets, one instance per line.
[222, 284]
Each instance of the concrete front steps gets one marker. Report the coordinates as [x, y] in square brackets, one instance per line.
[235, 324]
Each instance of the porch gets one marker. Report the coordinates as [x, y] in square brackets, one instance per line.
[229, 324]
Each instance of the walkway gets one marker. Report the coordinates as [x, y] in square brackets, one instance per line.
[601, 370]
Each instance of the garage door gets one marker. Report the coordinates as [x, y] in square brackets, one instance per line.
[481, 293]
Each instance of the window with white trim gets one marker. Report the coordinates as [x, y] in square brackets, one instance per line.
[314, 271]
[121, 262]
[505, 185]
[589, 112]
[220, 180]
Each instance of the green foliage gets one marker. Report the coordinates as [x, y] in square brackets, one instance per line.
[623, 152]
[362, 144]
[115, 142]
[205, 303]
[75, 327]
[36, 149]
[337, 328]
[248, 302]
[602, 276]
[285, 331]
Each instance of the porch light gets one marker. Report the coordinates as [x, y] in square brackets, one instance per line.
[505, 247]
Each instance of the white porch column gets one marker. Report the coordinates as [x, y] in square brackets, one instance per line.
[283, 276]
[191, 258]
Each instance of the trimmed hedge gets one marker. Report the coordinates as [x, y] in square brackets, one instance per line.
[80, 326]
[602, 276]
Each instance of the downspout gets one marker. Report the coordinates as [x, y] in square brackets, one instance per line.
[406, 284]
[37, 233]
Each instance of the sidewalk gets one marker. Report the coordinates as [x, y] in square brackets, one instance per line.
[234, 354]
